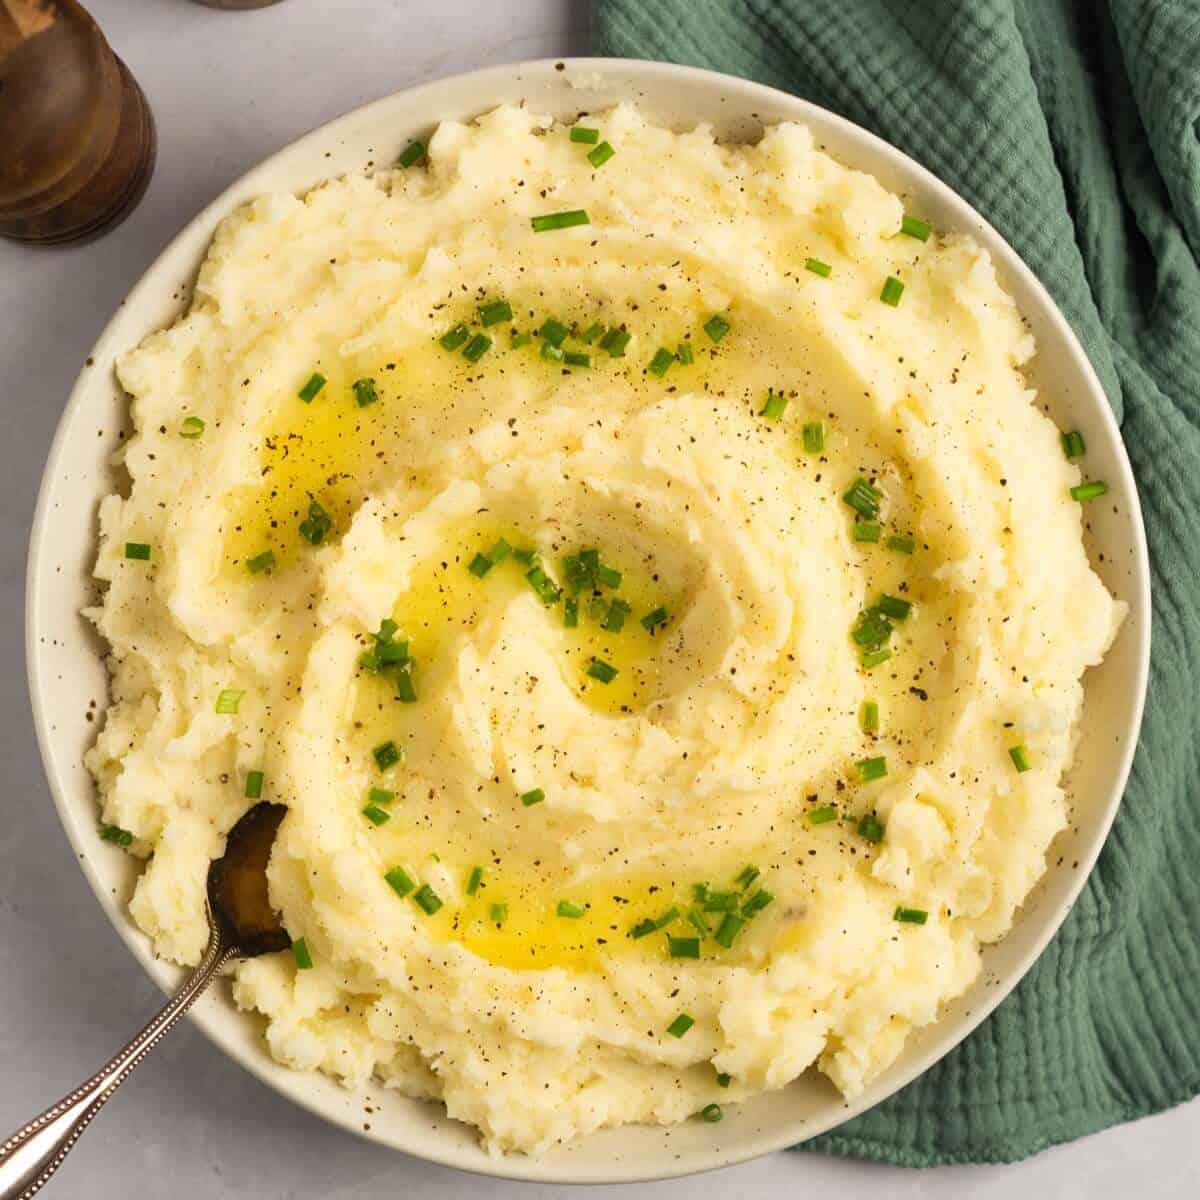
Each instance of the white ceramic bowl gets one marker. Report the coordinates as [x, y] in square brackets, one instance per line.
[64, 654]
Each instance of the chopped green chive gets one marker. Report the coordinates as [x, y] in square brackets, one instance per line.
[757, 902]
[1073, 444]
[872, 629]
[578, 576]
[254, 785]
[532, 797]
[870, 659]
[902, 545]
[866, 531]
[526, 554]
[570, 613]
[546, 589]
[863, 498]
[700, 892]
[913, 227]
[474, 880]
[661, 362]
[477, 347]
[774, 407]
[494, 312]
[817, 267]
[574, 358]
[1020, 758]
[872, 768]
[454, 338]
[316, 526]
[301, 955]
[399, 881]
[614, 621]
[555, 353]
[386, 754]
[683, 947]
[822, 815]
[601, 154]
[654, 924]
[192, 427]
[680, 1025]
[654, 618]
[685, 354]
[716, 327]
[610, 577]
[498, 914]
[116, 835]
[871, 828]
[365, 392]
[910, 916]
[697, 921]
[893, 606]
[559, 220]
[712, 1113]
[570, 910]
[137, 550]
[581, 133]
[412, 154]
[615, 341]
[720, 901]
[730, 927]
[521, 339]
[378, 795]
[893, 289]
[589, 335]
[481, 564]
[427, 899]
[724, 1080]
[376, 815]
[553, 331]
[868, 716]
[308, 393]
[813, 434]
[406, 690]
[599, 669]
[1089, 491]
[747, 876]
[261, 562]
[228, 701]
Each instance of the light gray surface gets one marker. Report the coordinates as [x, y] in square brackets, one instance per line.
[227, 89]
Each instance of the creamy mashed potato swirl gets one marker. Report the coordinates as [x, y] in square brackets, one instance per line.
[710, 741]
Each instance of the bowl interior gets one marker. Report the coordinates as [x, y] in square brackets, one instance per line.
[64, 654]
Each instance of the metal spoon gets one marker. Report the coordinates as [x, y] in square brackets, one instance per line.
[241, 924]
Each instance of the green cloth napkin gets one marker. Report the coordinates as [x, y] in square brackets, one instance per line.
[1074, 127]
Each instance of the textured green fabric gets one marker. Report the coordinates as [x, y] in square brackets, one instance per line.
[1075, 128]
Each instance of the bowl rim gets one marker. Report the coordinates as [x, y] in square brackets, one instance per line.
[485, 81]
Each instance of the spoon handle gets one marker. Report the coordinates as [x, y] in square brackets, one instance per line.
[37, 1149]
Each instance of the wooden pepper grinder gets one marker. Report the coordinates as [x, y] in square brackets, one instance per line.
[77, 141]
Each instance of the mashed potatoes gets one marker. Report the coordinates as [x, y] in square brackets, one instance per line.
[665, 633]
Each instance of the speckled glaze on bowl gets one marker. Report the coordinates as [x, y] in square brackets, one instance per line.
[66, 671]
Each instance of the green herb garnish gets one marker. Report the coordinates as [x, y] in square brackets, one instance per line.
[308, 393]
[560, 220]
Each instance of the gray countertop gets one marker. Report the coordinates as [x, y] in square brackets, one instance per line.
[228, 89]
